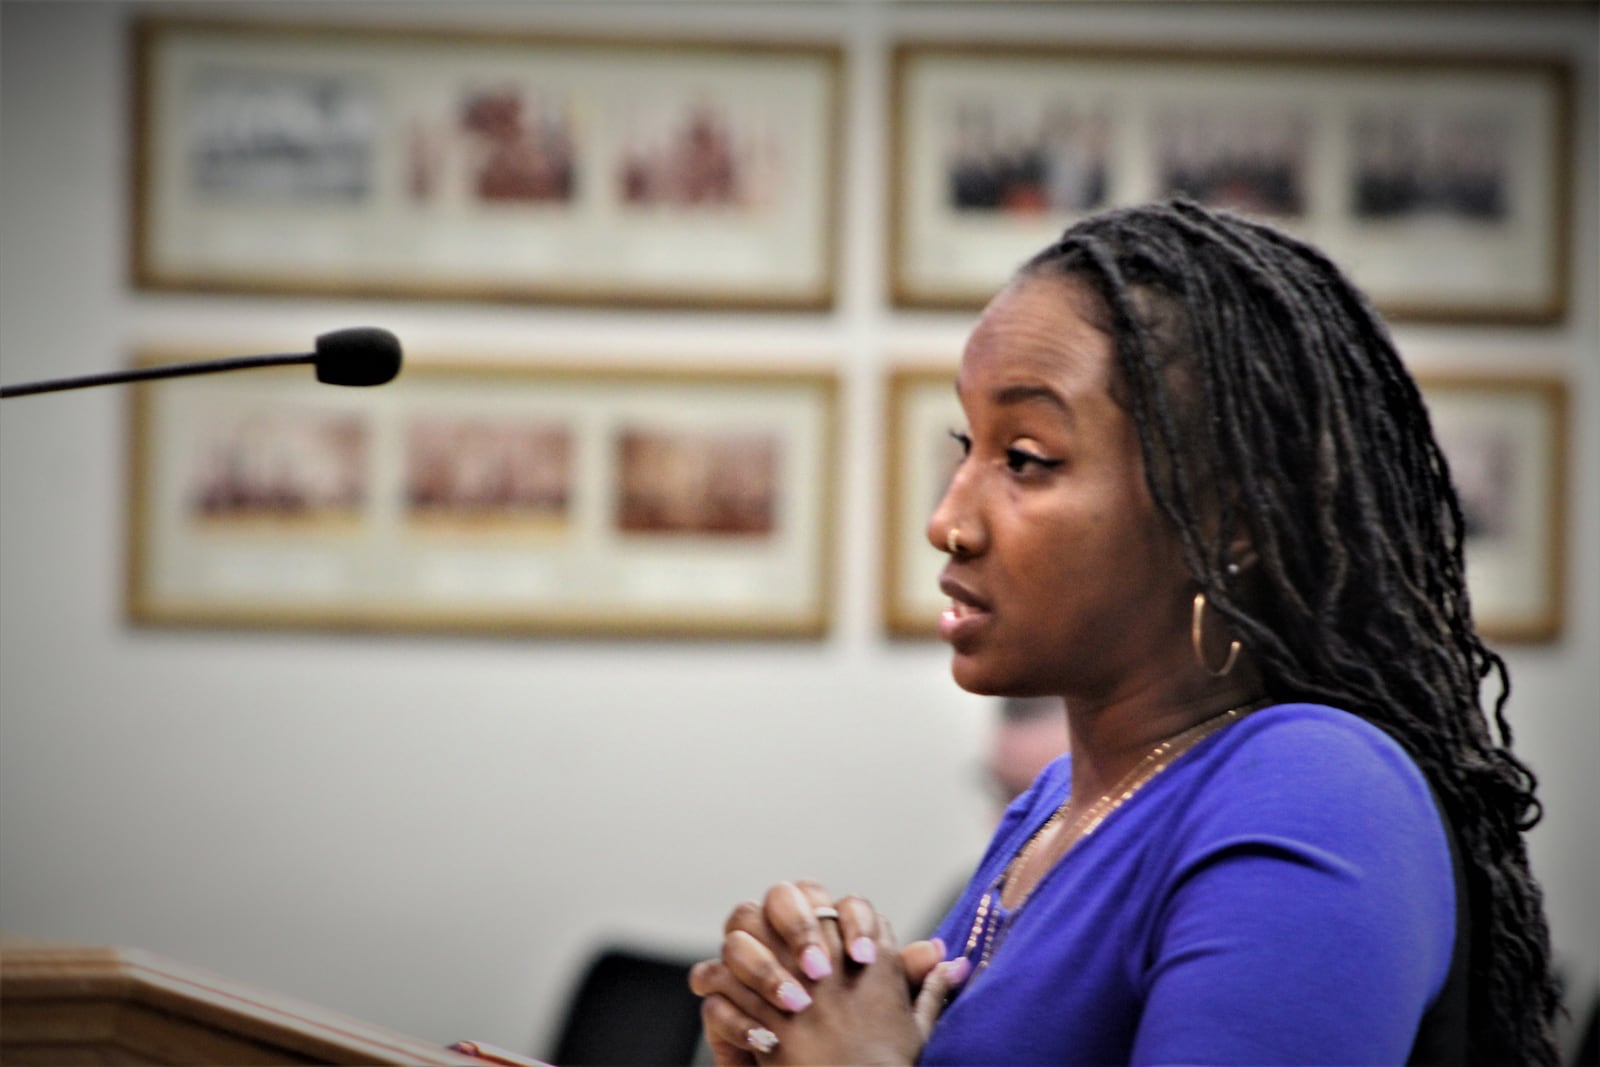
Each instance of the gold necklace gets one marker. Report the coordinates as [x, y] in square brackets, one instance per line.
[987, 926]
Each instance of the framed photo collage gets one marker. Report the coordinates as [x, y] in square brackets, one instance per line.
[706, 175]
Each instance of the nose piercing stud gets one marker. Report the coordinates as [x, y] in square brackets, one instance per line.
[953, 541]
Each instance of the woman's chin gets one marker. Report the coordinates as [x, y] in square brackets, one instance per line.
[975, 677]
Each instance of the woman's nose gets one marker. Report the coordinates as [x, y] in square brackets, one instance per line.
[952, 527]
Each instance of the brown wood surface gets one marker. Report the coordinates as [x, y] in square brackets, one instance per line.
[70, 1004]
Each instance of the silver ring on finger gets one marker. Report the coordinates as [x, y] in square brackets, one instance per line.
[826, 912]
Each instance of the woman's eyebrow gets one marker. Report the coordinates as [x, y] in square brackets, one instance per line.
[1013, 395]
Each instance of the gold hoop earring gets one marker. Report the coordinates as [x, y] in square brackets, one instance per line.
[953, 541]
[1197, 639]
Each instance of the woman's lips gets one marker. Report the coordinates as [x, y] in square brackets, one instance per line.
[966, 614]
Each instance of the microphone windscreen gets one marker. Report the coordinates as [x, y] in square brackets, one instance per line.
[361, 355]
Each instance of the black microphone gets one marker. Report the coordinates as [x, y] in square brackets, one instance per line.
[360, 355]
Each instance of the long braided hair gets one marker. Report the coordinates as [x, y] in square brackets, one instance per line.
[1271, 403]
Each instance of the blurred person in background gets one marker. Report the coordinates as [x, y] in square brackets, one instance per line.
[1028, 736]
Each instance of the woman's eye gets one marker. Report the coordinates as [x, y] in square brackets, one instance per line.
[1019, 460]
[963, 441]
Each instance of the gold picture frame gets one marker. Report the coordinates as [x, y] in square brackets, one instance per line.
[921, 410]
[1440, 182]
[310, 159]
[487, 498]
[1505, 437]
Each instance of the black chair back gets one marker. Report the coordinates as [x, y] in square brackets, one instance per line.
[631, 1008]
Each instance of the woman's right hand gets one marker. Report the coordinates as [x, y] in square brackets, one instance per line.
[773, 949]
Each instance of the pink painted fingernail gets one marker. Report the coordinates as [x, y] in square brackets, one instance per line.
[958, 970]
[815, 963]
[939, 944]
[863, 950]
[761, 1039]
[792, 997]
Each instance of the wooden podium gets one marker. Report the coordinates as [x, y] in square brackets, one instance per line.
[65, 1004]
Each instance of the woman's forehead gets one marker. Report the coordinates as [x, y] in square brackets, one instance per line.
[1035, 333]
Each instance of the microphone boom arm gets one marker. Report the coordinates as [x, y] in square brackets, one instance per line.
[361, 355]
[173, 370]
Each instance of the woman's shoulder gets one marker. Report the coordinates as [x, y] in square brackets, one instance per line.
[1301, 766]
[1329, 742]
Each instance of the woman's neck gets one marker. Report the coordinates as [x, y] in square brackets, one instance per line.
[1108, 740]
[1114, 754]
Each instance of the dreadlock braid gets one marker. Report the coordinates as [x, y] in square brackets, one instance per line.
[1270, 397]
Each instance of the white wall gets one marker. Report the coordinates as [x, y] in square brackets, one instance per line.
[432, 832]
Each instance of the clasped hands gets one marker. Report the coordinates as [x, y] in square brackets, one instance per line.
[804, 978]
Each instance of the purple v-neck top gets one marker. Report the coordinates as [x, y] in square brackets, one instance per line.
[1282, 893]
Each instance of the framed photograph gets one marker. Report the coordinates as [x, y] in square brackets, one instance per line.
[1440, 184]
[1505, 437]
[491, 499]
[334, 160]
[922, 454]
